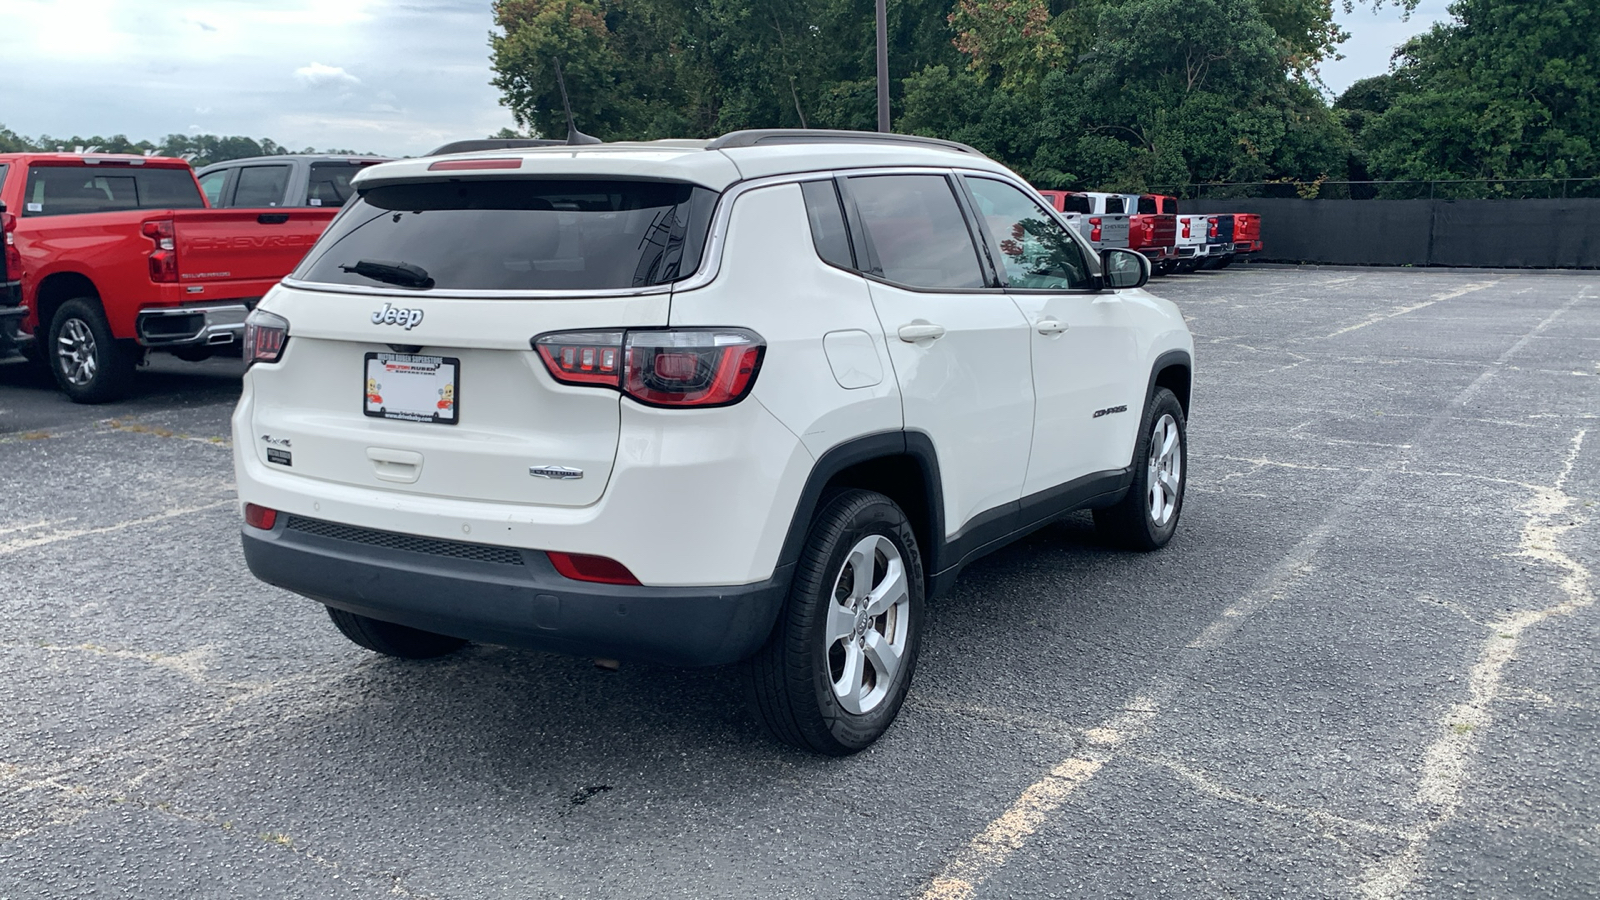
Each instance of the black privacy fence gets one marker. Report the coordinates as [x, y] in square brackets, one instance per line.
[1443, 189]
[1533, 233]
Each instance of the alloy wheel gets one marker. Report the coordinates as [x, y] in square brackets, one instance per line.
[76, 352]
[1165, 470]
[869, 624]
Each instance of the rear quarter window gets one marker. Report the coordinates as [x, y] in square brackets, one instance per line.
[329, 183]
[71, 190]
[521, 234]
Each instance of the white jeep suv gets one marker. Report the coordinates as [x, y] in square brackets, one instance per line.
[697, 402]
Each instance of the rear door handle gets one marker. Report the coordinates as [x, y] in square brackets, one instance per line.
[272, 218]
[1050, 326]
[920, 331]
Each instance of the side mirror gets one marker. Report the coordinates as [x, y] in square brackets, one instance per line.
[1124, 268]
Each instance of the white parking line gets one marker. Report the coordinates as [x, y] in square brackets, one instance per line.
[18, 544]
[1400, 311]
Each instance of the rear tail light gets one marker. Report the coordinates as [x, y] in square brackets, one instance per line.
[1211, 229]
[265, 336]
[1185, 227]
[13, 256]
[1094, 229]
[583, 567]
[164, 259]
[260, 517]
[699, 367]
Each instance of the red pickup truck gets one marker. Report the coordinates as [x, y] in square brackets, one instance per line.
[108, 257]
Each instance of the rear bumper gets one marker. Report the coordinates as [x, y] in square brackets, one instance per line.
[212, 324]
[511, 597]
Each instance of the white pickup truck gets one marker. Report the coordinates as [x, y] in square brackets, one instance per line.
[1100, 218]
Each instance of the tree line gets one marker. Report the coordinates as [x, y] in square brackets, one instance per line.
[199, 149]
[1114, 94]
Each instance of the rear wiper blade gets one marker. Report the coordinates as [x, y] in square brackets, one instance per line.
[389, 272]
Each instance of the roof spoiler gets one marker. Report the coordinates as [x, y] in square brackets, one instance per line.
[758, 136]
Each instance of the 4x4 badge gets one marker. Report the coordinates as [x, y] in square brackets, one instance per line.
[560, 473]
[389, 315]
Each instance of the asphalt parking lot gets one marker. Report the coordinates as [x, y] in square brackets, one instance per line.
[1365, 667]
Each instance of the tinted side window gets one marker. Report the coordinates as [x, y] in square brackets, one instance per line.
[329, 184]
[261, 186]
[1035, 250]
[1147, 206]
[3, 167]
[915, 226]
[1114, 206]
[827, 223]
[211, 185]
[70, 190]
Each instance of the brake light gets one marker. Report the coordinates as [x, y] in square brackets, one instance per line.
[265, 336]
[1094, 229]
[1186, 227]
[260, 517]
[13, 256]
[583, 567]
[164, 259]
[458, 165]
[700, 367]
[1211, 230]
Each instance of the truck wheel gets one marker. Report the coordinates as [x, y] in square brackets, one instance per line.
[1146, 518]
[391, 639]
[837, 665]
[90, 365]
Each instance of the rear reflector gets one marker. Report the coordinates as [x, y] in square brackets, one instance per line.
[598, 569]
[260, 517]
[457, 165]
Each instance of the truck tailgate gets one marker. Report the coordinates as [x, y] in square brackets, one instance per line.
[221, 245]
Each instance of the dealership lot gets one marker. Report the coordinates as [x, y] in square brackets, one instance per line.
[1364, 667]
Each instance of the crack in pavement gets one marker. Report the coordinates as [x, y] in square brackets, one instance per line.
[1445, 763]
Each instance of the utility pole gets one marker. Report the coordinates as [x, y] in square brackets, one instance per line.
[883, 65]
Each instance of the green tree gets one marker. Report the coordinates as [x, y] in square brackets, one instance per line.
[1510, 89]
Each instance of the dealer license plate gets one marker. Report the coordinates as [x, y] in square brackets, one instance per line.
[413, 388]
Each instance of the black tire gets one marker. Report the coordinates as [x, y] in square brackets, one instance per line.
[89, 364]
[1226, 262]
[791, 679]
[391, 639]
[1131, 523]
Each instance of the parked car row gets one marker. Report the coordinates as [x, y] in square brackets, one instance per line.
[1151, 224]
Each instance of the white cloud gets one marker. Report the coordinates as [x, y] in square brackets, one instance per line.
[318, 75]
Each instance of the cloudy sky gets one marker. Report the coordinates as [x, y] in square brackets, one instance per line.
[387, 76]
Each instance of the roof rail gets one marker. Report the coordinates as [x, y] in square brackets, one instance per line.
[471, 146]
[757, 136]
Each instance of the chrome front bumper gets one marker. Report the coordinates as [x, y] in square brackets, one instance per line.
[192, 326]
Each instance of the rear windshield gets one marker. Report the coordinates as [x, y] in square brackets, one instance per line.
[1076, 203]
[1169, 206]
[68, 190]
[1114, 206]
[521, 234]
[330, 182]
[1147, 206]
